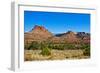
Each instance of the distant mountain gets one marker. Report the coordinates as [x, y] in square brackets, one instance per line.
[70, 37]
[84, 36]
[40, 33]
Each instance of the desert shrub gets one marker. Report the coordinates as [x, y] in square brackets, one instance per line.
[50, 45]
[57, 46]
[61, 46]
[86, 51]
[45, 50]
[26, 45]
[84, 46]
[69, 46]
[34, 45]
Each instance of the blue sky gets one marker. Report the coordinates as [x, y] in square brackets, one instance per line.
[57, 22]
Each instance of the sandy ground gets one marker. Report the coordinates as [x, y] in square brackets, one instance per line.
[31, 55]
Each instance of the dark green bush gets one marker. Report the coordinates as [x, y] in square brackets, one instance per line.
[45, 50]
[34, 45]
[26, 45]
[87, 51]
[69, 46]
[56, 46]
[84, 46]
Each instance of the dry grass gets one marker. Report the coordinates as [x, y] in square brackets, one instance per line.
[31, 55]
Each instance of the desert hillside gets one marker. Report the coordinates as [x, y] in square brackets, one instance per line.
[41, 44]
[40, 33]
